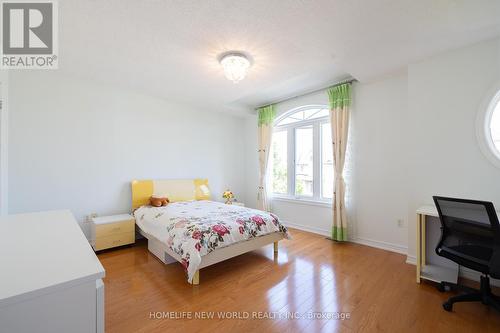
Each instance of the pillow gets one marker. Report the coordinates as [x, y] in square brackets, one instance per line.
[202, 191]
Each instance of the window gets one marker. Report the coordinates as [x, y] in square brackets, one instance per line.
[301, 155]
[488, 126]
[279, 159]
[326, 161]
[494, 126]
[304, 161]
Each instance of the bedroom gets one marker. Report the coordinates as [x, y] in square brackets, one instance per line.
[144, 91]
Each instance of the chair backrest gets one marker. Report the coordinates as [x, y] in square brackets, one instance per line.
[470, 228]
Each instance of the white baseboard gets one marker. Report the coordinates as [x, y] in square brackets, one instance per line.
[314, 230]
[381, 245]
[412, 260]
[358, 240]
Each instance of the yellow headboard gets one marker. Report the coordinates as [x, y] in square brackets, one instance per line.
[173, 189]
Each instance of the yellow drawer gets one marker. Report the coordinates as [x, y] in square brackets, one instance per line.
[108, 229]
[115, 240]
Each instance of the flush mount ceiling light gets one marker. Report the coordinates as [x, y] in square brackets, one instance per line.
[236, 65]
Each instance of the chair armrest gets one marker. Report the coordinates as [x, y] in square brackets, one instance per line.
[495, 263]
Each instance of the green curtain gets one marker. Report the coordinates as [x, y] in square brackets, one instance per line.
[266, 114]
[340, 96]
[266, 118]
[340, 102]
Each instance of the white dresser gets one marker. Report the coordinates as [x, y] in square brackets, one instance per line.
[50, 278]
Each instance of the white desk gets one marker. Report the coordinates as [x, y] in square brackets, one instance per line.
[424, 270]
[50, 276]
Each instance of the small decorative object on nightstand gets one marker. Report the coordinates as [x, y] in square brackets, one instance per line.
[229, 196]
[112, 231]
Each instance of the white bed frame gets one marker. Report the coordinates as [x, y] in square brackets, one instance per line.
[191, 189]
[167, 256]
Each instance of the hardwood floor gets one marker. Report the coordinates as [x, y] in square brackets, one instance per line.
[375, 287]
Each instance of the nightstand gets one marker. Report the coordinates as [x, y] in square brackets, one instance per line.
[112, 231]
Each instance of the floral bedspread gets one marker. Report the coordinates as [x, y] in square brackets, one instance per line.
[193, 229]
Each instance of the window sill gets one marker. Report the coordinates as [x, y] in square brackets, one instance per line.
[308, 202]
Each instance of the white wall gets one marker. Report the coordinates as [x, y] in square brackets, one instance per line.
[77, 144]
[379, 167]
[4, 129]
[444, 97]
[413, 135]
[251, 161]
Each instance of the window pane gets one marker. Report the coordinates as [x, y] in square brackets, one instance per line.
[279, 162]
[315, 113]
[293, 118]
[326, 161]
[310, 113]
[321, 113]
[495, 126]
[304, 161]
[303, 115]
[287, 120]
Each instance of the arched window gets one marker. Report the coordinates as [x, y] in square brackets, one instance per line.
[488, 126]
[494, 126]
[301, 154]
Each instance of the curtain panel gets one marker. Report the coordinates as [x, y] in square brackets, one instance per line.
[340, 104]
[266, 118]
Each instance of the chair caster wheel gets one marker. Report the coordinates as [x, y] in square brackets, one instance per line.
[448, 306]
[441, 287]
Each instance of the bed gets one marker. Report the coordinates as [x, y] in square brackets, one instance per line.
[198, 232]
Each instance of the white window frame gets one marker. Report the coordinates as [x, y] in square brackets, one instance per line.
[316, 198]
[483, 121]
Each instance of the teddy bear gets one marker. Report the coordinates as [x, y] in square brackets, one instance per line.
[158, 201]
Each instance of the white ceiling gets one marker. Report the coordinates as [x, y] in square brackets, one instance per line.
[169, 48]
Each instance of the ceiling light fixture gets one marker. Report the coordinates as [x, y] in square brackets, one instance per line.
[236, 65]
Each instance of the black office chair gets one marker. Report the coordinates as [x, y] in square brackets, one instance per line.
[470, 236]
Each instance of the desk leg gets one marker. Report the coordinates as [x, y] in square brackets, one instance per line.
[423, 249]
[419, 223]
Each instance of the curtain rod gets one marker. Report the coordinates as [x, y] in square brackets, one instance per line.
[351, 80]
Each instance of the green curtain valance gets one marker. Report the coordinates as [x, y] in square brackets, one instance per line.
[266, 114]
[340, 96]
